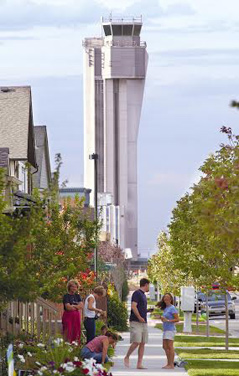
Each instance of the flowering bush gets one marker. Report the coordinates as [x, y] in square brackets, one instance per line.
[57, 358]
[86, 281]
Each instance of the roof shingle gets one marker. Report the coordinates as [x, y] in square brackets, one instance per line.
[16, 123]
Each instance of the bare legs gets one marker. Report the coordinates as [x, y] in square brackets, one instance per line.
[133, 347]
[169, 351]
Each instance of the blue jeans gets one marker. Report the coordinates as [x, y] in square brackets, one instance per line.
[87, 354]
[89, 324]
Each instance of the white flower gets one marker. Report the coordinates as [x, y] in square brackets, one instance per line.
[20, 345]
[70, 368]
[58, 341]
[55, 371]
[21, 358]
[38, 363]
[29, 354]
[70, 349]
[76, 359]
[42, 369]
[40, 345]
[74, 343]
[90, 365]
[70, 364]
[39, 373]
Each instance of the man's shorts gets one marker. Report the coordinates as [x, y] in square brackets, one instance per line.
[138, 332]
[169, 334]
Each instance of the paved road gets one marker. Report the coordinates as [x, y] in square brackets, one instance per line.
[154, 357]
[233, 324]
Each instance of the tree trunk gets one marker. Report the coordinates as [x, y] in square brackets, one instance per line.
[207, 313]
[227, 322]
[197, 315]
[158, 297]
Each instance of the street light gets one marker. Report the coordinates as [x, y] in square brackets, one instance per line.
[95, 157]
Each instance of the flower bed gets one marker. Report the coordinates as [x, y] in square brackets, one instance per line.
[56, 358]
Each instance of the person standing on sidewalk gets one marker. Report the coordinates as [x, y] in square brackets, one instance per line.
[138, 323]
[90, 311]
[71, 319]
[169, 318]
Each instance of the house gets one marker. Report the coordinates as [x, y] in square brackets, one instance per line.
[42, 178]
[17, 145]
[71, 193]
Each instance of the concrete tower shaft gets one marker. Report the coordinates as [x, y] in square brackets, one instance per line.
[114, 78]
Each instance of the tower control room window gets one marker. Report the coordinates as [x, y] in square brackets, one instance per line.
[127, 30]
[107, 30]
[137, 29]
[117, 30]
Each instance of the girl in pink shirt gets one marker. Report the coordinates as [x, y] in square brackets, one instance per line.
[98, 347]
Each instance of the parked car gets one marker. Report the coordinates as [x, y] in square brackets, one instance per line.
[216, 304]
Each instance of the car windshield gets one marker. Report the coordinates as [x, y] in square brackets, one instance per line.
[213, 297]
[217, 296]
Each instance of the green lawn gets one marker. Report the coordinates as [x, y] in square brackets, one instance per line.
[157, 311]
[212, 368]
[194, 341]
[207, 354]
[151, 302]
[201, 329]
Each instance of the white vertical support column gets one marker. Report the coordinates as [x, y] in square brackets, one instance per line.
[109, 150]
[89, 119]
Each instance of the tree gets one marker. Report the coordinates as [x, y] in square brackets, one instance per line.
[161, 267]
[113, 256]
[204, 231]
[41, 250]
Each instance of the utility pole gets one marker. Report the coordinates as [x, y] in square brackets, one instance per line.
[95, 157]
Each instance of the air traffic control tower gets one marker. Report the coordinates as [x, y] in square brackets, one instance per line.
[114, 78]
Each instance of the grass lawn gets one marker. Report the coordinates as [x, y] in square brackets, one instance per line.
[207, 354]
[157, 311]
[194, 341]
[151, 302]
[211, 368]
[201, 329]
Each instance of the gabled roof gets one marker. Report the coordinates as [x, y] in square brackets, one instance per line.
[42, 150]
[16, 123]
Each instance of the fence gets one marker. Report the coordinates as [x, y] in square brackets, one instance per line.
[38, 319]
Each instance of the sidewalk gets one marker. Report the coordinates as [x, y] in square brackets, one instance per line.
[154, 358]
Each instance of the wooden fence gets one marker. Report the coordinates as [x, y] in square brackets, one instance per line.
[38, 319]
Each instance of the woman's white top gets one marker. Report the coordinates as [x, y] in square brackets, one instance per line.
[87, 312]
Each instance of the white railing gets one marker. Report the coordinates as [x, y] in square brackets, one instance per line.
[123, 20]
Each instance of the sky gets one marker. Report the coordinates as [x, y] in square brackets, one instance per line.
[193, 74]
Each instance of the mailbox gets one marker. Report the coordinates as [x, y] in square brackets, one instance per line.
[187, 299]
[151, 291]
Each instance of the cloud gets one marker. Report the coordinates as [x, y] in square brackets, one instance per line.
[169, 179]
[179, 9]
[25, 14]
[202, 27]
[154, 10]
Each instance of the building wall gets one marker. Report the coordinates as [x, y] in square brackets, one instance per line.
[44, 183]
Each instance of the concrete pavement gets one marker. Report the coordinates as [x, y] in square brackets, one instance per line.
[154, 358]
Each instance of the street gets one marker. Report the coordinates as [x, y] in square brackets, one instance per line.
[219, 321]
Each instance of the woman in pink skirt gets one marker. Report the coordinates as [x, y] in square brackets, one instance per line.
[71, 319]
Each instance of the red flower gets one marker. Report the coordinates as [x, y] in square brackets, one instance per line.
[77, 364]
[85, 371]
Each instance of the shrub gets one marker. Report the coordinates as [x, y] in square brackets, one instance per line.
[117, 313]
[125, 290]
